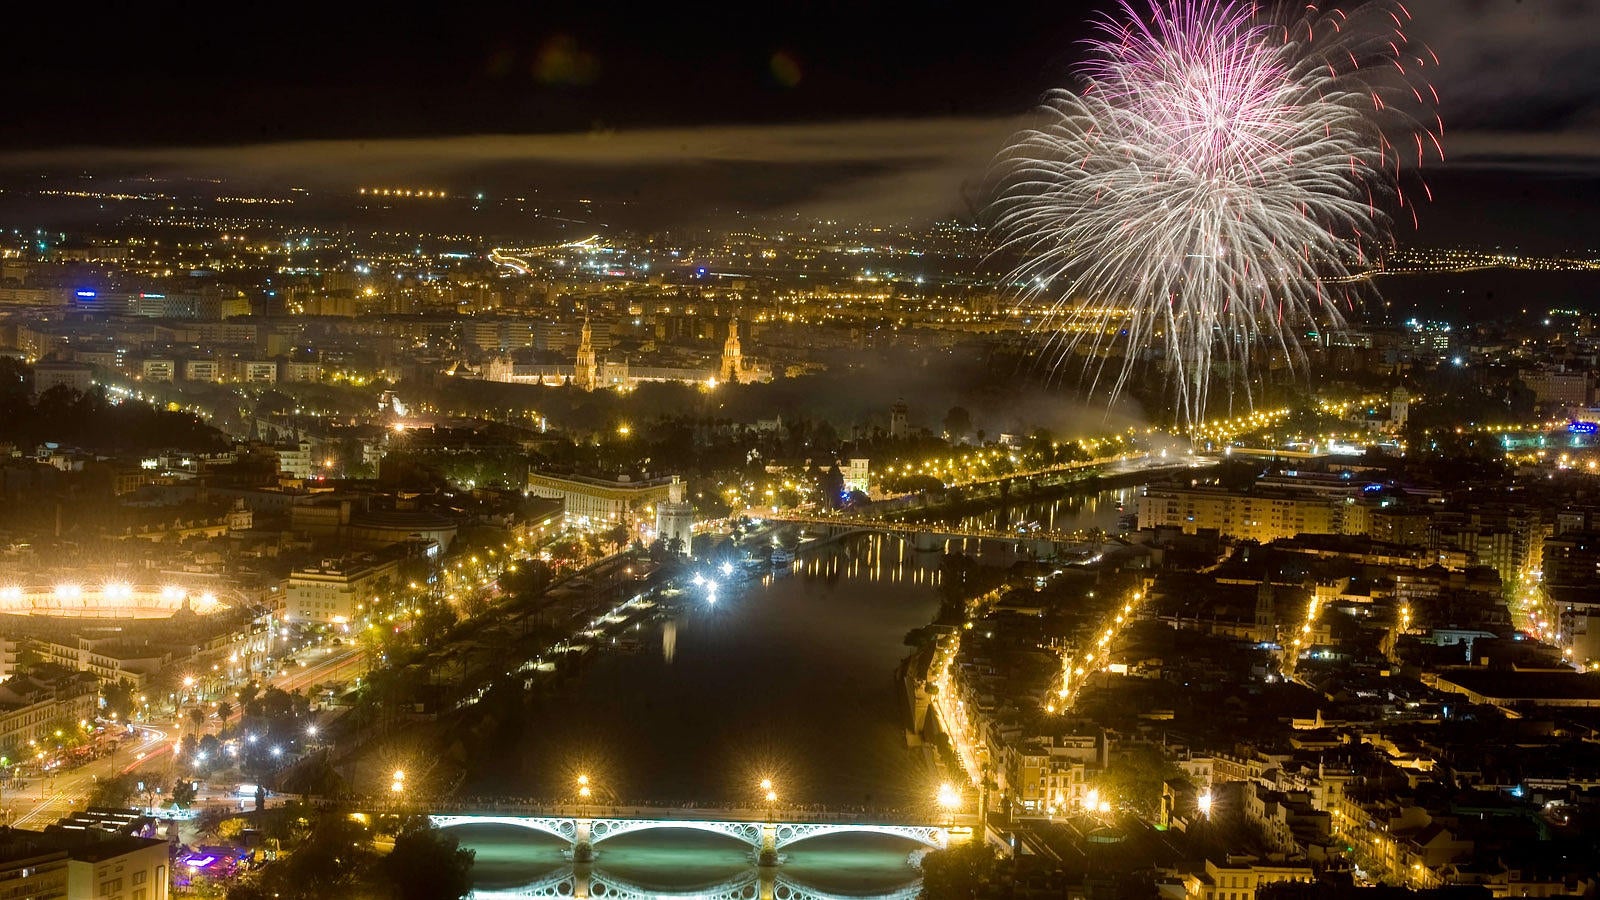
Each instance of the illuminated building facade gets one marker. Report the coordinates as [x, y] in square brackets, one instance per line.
[334, 591]
[675, 518]
[596, 502]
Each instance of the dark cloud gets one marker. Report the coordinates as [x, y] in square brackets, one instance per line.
[920, 99]
[1517, 81]
[884, 170]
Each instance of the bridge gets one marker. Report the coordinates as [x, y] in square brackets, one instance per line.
[761, 884]
[767, 836]
[930, 536]
[1044, 472]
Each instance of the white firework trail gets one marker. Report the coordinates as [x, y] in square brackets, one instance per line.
[1214, 186]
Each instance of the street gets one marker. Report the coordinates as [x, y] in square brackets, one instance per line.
[47, 798]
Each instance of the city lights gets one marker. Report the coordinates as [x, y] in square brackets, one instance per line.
[1150, 495]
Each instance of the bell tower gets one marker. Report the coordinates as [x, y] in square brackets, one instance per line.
[585, 373]
[732, 357]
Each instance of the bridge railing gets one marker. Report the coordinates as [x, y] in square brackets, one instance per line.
[803, 814]
[950, 531]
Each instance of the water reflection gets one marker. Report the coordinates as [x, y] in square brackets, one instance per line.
[683, 864]
[757, 883]
[1075, 512]
[794, 674]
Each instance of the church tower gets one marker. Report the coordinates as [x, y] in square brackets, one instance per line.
[1266, 612]
[1399, 408]
[899, 420]
[732, 358]
[585, 372]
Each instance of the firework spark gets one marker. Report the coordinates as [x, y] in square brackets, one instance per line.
[1214, 186]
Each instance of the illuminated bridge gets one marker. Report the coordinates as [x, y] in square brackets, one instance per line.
[933, 535]
[766, 836]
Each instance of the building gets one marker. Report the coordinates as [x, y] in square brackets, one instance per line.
[297, 460]
[732, 371]
[596, 502]
[899, 421]
[202, 370]
[72, 376]
[74, 860]
[258, 371]
[158, 370]
[1240, 880]
[306, 372]
[30, 871]
[105, 658]
[857, 473]
[30, 704]
[1557, 387]
[585, 373]
[675, 518]
[1261, 515]
[336, 590]
[1399, 408]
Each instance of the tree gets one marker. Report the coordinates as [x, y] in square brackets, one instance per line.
[427, 864]
[1135, 776]
[197, 717]
[961, 871]
[224, 712]
[114, 792]
[830, 487]
[617, 535]
[328, 862]
[957, 423]
[183, 793]
[118, 697]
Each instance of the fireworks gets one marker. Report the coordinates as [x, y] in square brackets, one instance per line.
[1214, 187]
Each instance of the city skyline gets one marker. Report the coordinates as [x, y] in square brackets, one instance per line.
[689, 119]
[808, 451]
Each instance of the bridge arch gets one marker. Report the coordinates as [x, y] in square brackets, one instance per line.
[564, 828]
[927, 835]
[748, 833]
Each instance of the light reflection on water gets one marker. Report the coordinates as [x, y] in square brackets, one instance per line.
[790, 676]
[511, 862]
[1074, 512]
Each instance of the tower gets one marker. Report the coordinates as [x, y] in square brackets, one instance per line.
[1399, 408]
[585, 372]
[899, 427]
[732, 359]
[675, 518]
[1266, 612]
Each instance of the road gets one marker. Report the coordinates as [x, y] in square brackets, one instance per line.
[48, 798]
[338, 664]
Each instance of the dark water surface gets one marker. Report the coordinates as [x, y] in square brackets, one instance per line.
[790, 677]
[787, 676]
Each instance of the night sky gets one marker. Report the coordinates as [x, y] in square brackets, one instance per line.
[848, 109]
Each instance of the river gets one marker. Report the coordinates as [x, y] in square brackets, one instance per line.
[788, 676]
[1072, 512]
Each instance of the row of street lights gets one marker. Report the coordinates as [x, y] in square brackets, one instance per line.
[948, 797]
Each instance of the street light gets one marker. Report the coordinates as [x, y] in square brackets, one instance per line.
[1205, 804]
[583, 788]
[769, 794]
[398, 783]
[949, 800]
